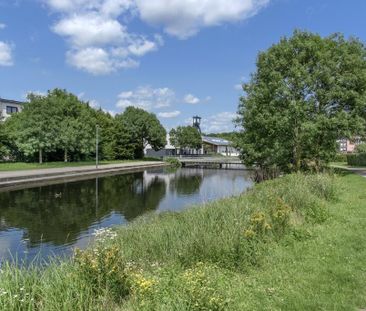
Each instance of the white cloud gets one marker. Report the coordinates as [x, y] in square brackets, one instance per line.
[90, 29]
[170, 114]
[2, 26]
[147, 98]
[99, 42]
[97, 61]
[6, 57]
[185, 18]
[191, 99]
[221, 122]
[106, 7]
[102, 24]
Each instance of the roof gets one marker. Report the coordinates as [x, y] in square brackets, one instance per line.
[10, 101]
[216, 141]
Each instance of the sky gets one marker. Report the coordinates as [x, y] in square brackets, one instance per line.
[175, 58]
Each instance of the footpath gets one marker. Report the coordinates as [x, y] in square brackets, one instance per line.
[36, 176]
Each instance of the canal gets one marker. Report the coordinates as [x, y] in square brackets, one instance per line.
[51, 220]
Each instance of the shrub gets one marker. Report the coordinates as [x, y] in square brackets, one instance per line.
[173, 162]
[356, 159]
[340, 157]
[361, 148]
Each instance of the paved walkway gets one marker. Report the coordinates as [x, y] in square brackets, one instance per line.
[10, 178]
[358, 170]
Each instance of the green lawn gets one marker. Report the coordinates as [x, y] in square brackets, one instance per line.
[32, 166]
[295, 243]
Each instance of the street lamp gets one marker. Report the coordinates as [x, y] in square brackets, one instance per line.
[96, 146]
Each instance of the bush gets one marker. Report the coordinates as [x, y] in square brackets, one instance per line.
[340, 157]
[361, 148]
[356, 159]
[173, 162]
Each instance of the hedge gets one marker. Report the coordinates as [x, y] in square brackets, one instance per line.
[358, 159]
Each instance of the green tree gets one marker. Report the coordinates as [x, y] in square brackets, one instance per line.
[4, 151]
[76, 123]
[145, 129]
[306, 93]
[186, 137]
[35, 129]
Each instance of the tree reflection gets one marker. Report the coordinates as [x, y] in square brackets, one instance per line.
[59, 213]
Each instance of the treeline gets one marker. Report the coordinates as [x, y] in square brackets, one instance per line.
[59, 126]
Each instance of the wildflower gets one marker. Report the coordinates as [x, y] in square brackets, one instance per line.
[249, 233]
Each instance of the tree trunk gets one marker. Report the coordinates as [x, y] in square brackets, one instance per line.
[65, 155]
[40, 156]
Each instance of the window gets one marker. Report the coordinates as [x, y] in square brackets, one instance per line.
[10, 109]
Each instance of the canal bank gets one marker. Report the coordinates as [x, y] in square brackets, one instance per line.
[13, 179]
[220, 256]
[37, 220]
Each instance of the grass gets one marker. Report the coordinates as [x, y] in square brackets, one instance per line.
[16, 166]
[295, 243]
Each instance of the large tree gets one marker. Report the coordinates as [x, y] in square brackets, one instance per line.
[36, 128]
[186, 137]
[306, 93]
[76, 130]
[145, 128]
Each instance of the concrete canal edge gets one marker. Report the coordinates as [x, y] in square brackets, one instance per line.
[12, 180]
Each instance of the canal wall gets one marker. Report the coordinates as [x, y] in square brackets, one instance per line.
[29, 178]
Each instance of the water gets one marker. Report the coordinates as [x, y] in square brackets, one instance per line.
[53, 219]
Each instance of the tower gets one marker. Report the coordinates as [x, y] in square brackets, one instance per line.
[197, 122]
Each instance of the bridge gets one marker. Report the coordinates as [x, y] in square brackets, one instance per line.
[208, 161]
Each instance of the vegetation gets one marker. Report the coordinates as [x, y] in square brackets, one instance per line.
[173, 162]
[185, 137]
[59, 126]
[356, 159]
[276, 248]
[145, 128]
[361, 148]
[359, 157]
[307, 92]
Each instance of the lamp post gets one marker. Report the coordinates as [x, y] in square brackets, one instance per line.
[96, 146]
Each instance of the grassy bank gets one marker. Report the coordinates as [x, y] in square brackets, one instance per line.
[296, 243]
[17, 166]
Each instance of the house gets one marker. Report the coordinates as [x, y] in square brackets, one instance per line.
[8, 107]
[347, 146]
[216, 145]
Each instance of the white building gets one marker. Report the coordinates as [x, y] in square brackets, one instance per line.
[8, 107]
[216, 145]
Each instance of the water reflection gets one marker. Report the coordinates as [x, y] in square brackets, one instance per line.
[53, 218]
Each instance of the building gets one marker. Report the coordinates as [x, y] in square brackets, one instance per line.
[348, 146]
[216, 145]
[210, 146]
[8, 107]
[168, 151]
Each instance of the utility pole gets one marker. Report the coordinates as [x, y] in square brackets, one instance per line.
[96, 146]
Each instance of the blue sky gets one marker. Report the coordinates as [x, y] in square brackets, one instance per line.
[176, 58]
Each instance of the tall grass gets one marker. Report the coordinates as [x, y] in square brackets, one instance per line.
[174, 261]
